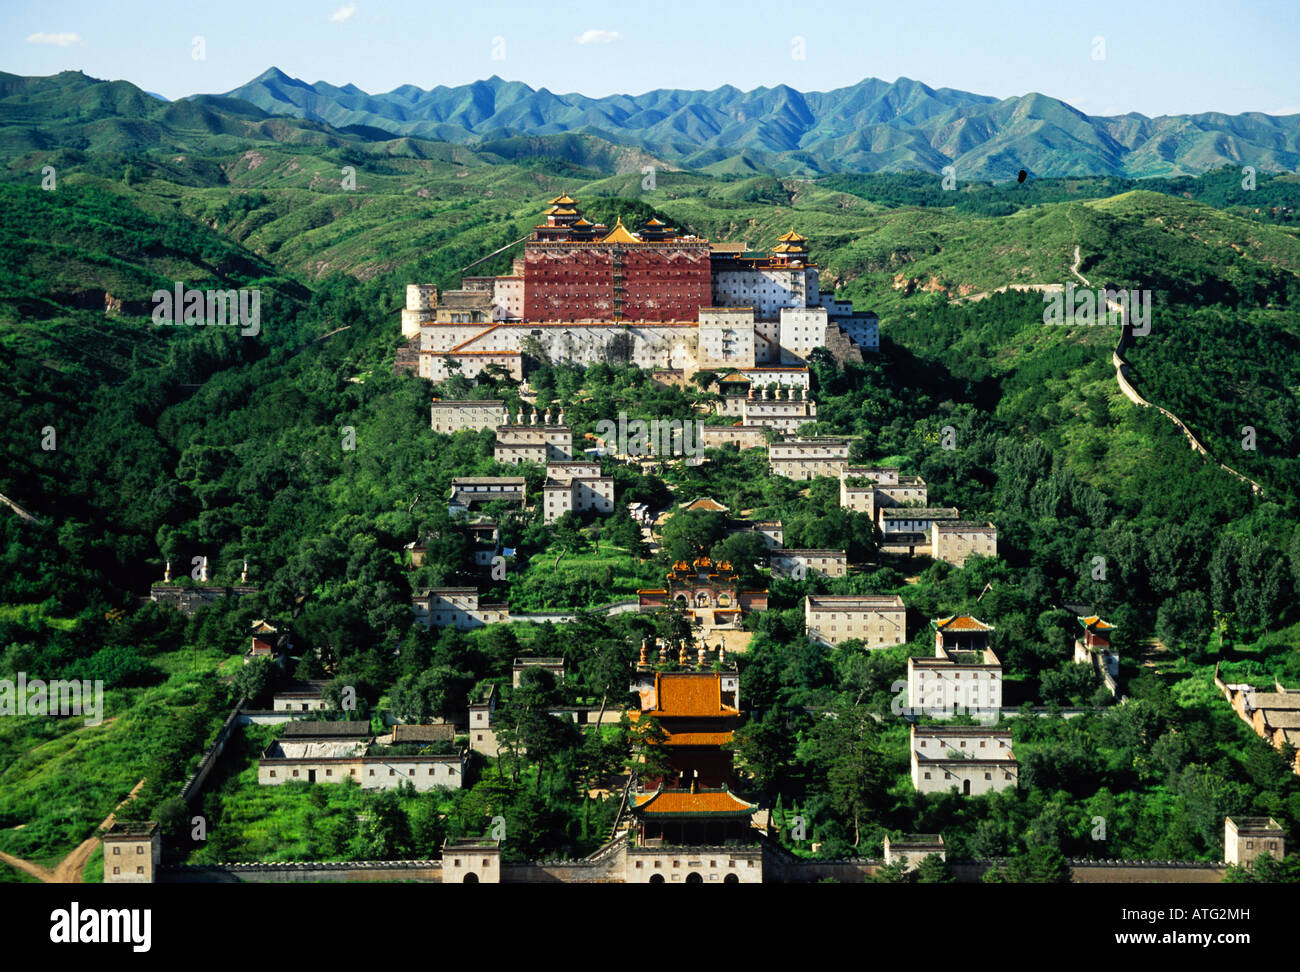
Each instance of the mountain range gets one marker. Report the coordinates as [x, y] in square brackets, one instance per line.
[870, 126]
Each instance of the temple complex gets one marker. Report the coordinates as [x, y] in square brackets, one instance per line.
[654, 296]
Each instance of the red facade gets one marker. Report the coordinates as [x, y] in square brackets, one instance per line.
[658, 281]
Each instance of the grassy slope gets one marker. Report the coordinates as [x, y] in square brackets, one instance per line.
[63, 777]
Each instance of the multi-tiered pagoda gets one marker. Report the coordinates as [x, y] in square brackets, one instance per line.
[689, 799]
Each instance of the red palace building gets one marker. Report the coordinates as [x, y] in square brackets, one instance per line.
[575, 270]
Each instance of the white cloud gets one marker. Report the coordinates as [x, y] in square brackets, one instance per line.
[61, 39]
[598, 37]
[343, 13]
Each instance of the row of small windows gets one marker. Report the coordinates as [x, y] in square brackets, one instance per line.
[956, 675]
[879, 640]
[451, 771]
[1001, 744]
[880, 624]
[987, 776]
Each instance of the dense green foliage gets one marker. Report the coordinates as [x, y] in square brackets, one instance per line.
[176, 443]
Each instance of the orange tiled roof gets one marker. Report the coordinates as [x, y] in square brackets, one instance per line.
[1092, 621]
[619, 234]
[961, 622]
[687, 694]
[684, 803]
[698, 739]
[705, 503]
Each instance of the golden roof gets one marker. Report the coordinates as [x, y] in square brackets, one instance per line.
[564, 200]
[705, 503]
[687, 803]
[961, 622]
[690, 695]
[619, 234]
[557, 211]
[792, 237]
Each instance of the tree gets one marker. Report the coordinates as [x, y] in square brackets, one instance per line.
[253, 679]
[764, 749]
[744, 551]
[1068, 684]
[1293, 554]
[896, 873]
[428, 828]
[605, 670]
[933, 869]
[437, 691]
[649, 757]
[689, 533]
[385, 833]
[566, 537]
[673, 628]
[1184, 620]
[703, 379]
[1041, 865]
[1265, 869]
[846, 748]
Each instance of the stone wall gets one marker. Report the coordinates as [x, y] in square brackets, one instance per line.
[609, 868]
[194, 785]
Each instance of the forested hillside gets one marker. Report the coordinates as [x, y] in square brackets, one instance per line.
[872, 126]
[177, 442]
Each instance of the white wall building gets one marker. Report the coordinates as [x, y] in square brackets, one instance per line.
[972, 759]
[822, 563]
[456, 607]
[956, 540]
[955, 682]
[453, 416]
[878, 620]
[804, 459]
[576, 487]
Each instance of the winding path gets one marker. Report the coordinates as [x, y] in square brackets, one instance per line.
[71, 869]
[1123, 370]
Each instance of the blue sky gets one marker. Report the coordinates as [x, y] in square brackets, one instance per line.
[1159, 57]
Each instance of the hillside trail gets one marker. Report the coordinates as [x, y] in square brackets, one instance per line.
[70, 870]
[1122, 370]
